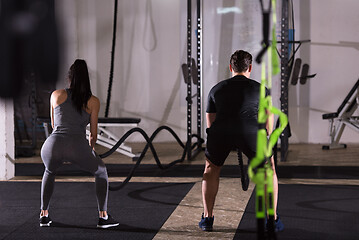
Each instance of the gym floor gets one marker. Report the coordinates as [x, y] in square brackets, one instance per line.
[307, 165]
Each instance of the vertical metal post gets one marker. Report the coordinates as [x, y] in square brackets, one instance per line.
[199, 96]
[284, 76]
[189, 80]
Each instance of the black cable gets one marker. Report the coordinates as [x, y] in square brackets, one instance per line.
[293, 24]
[265, 30]
[293, 50]
[109, 89]
[149, 144]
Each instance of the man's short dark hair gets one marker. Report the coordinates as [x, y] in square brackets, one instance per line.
[240, 61]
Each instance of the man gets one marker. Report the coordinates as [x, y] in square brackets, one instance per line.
[232, 111]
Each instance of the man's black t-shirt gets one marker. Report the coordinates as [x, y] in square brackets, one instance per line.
[235, 102]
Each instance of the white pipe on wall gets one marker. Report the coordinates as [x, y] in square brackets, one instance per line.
[7, 141]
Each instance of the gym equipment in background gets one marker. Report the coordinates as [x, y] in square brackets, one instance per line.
[104, 136]
[31, 102]
[304, 73]
[295, 71]
[26, 100]
[194, 72]
[287, 56]
[343, 117]
[191, 71]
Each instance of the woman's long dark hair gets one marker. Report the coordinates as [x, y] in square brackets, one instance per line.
[79, 84]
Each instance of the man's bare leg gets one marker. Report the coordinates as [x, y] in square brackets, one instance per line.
[210, 184]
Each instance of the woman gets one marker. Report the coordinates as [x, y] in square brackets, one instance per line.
[71, 110]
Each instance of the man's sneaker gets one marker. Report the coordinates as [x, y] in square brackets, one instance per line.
[45, 221]
[278, 225]
[109, 222]
[206, 223]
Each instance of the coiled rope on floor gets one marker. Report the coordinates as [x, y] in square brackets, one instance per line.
[149, 144]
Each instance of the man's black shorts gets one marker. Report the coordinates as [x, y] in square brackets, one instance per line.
[220, 145]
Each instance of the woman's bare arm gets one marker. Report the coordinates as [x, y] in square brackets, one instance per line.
[94, 108]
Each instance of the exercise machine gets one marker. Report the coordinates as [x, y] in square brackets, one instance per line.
[104, 136]
[107, 139]
[343, 117]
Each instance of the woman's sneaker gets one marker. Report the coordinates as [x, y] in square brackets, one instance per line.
[206, 223]
[107, 223]
[45, 221]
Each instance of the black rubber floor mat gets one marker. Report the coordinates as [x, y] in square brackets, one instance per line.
[141, 209]
[310, 212]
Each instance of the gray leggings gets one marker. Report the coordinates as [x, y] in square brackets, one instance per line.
[59, 148]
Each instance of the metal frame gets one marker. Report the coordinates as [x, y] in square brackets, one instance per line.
[189, 80]
[193, 150]
[199, 71]
[284, 76]
[107, 139]
[104, 137]
[286, 68]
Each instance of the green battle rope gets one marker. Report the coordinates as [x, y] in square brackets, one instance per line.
[260, 170]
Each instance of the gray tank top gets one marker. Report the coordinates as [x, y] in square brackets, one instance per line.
[67, 120]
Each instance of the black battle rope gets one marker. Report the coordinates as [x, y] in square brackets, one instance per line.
[243, 170]
[149, 144]
[109, 89]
